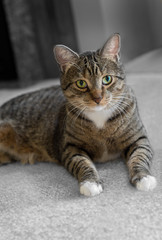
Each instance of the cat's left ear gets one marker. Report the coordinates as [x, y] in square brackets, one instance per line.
[64, 56]
[111, 48]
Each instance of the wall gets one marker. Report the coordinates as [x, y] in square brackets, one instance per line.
[34, 28]
[96, 20]
[155, 13]
[88, 24]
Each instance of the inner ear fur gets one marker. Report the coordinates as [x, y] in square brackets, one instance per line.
[64, 56]
[111, 48]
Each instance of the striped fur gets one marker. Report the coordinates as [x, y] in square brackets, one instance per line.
[66, 125]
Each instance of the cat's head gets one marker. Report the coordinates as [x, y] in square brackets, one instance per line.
[92, 80]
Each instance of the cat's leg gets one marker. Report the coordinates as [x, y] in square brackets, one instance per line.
[138, 158]
[7, 139]
[5, 158]
[79, 165]
[13, 146]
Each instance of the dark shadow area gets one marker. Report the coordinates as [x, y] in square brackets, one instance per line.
[29, 31]
[7, 65]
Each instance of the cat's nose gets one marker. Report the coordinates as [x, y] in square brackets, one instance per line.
[98, 99]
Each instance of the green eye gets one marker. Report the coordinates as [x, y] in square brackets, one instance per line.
[81, 84]
[107, 79]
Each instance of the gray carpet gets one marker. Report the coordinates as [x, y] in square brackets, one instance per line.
[42, 202]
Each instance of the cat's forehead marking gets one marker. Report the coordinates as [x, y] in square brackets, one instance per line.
[91, 64]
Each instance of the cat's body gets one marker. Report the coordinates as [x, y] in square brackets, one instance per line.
[93, 118]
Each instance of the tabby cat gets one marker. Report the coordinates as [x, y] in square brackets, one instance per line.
[92, 117]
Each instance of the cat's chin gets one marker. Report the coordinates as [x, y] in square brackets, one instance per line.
[97, 108]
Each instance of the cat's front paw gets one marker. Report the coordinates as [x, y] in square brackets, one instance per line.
[90, 189]
[146, 183]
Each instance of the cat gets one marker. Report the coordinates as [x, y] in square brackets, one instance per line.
[91, 117]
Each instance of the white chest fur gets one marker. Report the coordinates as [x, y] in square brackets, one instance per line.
[98, 117]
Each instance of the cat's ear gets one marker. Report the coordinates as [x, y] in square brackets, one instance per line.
[111, 48]
[64, 56]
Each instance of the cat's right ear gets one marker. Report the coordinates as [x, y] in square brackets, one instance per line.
[64, 56]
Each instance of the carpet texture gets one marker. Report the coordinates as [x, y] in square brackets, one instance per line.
[42, 202]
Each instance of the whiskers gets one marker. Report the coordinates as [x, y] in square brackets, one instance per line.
[115, 105]
[121, 104]
[77, 110]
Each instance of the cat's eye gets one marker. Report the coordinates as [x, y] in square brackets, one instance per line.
[81, 84]
[106, 80]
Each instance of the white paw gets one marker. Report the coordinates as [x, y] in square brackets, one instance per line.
[90, 188]
[146, 183]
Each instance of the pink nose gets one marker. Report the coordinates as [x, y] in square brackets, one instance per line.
[97, 100]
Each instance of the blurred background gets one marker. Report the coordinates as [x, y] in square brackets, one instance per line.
[30, 29]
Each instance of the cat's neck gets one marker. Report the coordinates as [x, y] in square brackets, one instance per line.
[99, 117]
